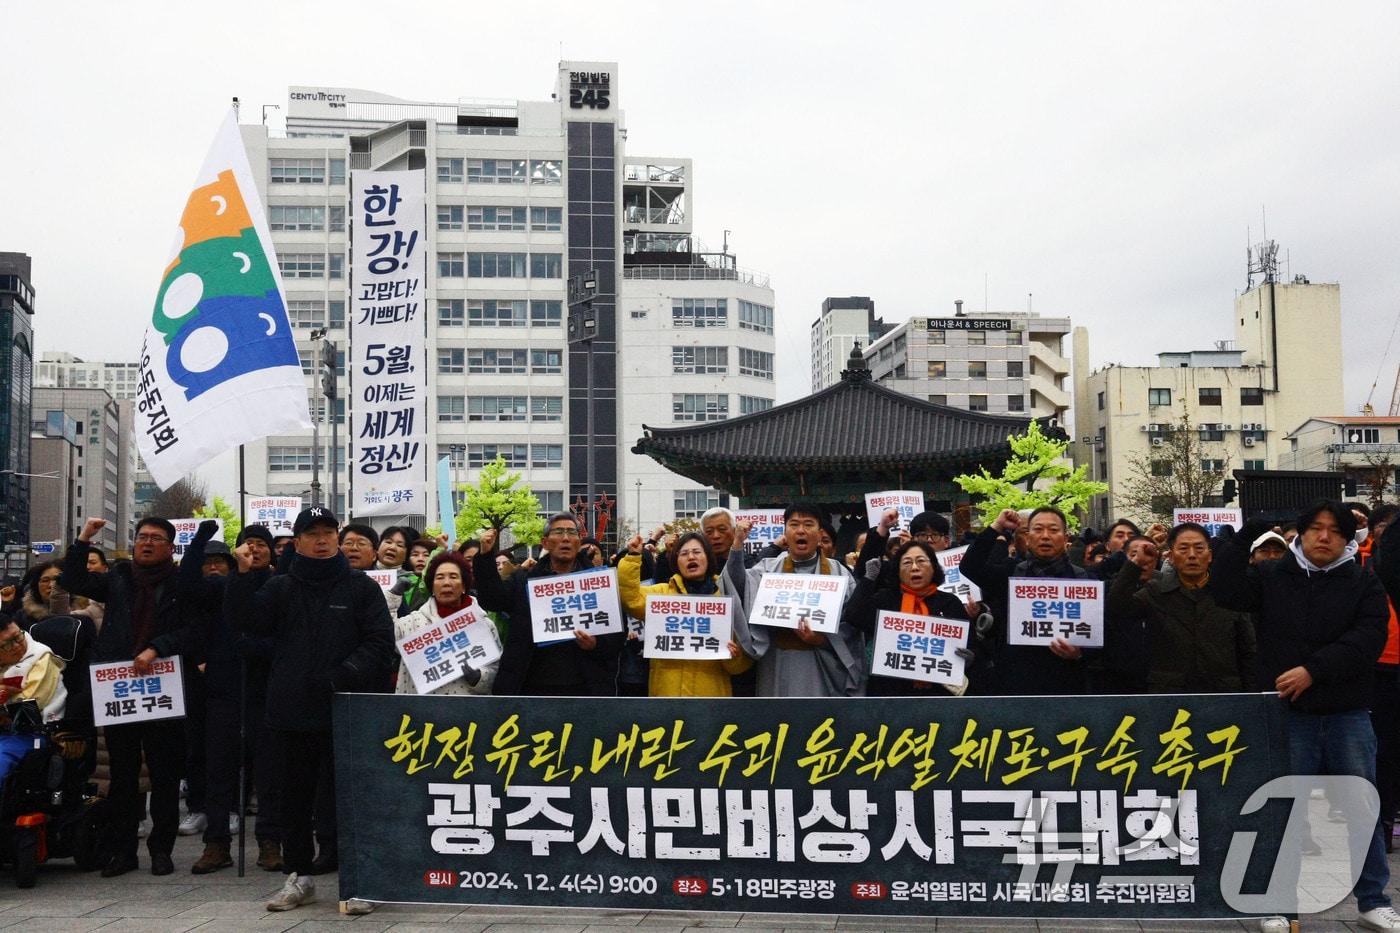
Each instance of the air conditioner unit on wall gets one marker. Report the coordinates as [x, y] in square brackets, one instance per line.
[1249, 442]
[1158, 441]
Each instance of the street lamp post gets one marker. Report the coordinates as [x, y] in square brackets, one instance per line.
[316, 336]
[639, 505]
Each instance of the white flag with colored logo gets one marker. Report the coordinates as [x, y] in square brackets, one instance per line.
[219, 366]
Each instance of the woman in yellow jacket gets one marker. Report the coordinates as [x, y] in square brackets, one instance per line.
[695, 575]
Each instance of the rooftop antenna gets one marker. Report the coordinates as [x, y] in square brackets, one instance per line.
[725, 249]
[1029, 297]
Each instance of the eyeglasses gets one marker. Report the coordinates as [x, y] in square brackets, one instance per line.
[916, 562]
[152, 539]
[929, 535]
[11, 642]
[564, 533]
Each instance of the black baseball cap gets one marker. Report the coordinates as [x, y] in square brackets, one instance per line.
[316, 515]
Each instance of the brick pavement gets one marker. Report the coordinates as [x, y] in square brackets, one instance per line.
[68, 901]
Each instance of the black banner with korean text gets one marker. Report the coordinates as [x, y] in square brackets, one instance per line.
[1121, 806]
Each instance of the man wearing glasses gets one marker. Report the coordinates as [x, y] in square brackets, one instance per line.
[586, 665]
[141, 607]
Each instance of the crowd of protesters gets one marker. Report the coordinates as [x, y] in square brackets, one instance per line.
[273, 628]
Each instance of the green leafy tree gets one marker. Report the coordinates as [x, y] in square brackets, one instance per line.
[1034, 476]
[218, 508]
[501, 501]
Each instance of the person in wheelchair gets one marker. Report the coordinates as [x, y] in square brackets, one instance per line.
[29, 670]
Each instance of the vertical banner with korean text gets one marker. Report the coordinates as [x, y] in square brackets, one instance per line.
[387, 362]
[218, 363]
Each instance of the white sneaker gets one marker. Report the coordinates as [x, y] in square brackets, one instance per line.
[233, 824]
[295, 892]
[193, 824]
[144, 829]
[1274, 925]
[1380, 918]
[357, 907]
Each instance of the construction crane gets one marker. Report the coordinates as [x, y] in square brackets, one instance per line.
[1395, 396]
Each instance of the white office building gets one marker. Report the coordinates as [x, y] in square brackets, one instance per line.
[842, 323]
[523, 197]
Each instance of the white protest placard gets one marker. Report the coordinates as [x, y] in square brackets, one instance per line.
[953, 580]
[277, 513]
[1040, 610]
[385, 578]
[574, 602]
[784, 600]
[919, 647]
[120, 695]
[765, 527]
[1212, 519]
[185, 529]
[688, 628]
[908, 502]
[440, 653]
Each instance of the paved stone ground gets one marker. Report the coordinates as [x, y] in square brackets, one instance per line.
[68, 901]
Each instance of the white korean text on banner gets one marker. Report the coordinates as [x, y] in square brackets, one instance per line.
[277, 513]
[385, 578]
[688, 628]
[1040, 610]
[908, 502]
[387, 361]
[574, 602]
[1212, 519]
[786, 600]
[185, 529]
[440, 653]
[953, 580]
[218, 363]
[765, 527]
[922, 648]
[120, 695]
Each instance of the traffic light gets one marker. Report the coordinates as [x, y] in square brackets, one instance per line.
[328, 384]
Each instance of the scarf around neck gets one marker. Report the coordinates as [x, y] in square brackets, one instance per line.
[913, 602]
[145, 598]
[822, 565]
[703, 587]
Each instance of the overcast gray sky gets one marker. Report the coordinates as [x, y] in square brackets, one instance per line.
[1108, 158]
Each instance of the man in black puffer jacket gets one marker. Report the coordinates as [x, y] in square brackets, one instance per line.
[331, 631]
[1026, 670]
[1321, 627]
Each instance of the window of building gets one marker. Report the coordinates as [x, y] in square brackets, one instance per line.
[546, 172]
[1101, 401]
[938, 399]
[546, 408]
[335, 265]
[977, 403]
[496, 265]
[551, 501]
[450, 361]
[454, 454]
[451, 265]
[335, 222]
[306, 313]
[1251, 396]
[497, 407]
[1254, 464]
[302, 265]
[1212, 432]
[516, 456]
[1159, 396]
[938, 337]
[1209, 397]
[546, 219]
[449, 216]
[546, 265]
[1014, 369]
[496, 361]
[692, 503]
[496, 171]
[976, 338]
[1363, 436]
[699, 407]
[491, 312]
[749, 404]
[937, 369]
[296, 171]
[1212, 466]
[335, 314]
[755, 363]
[449, 171]
[1015, 403]
[288, 459]
[451, 312]
[547, 313]
[977, 369]
[756, 317]
[1161, 468]
[337, 171]
[547, 456]
[504, 219]
[450, 408]
[699, 360]
[699, 312]
[285, 217]
[546, 362]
